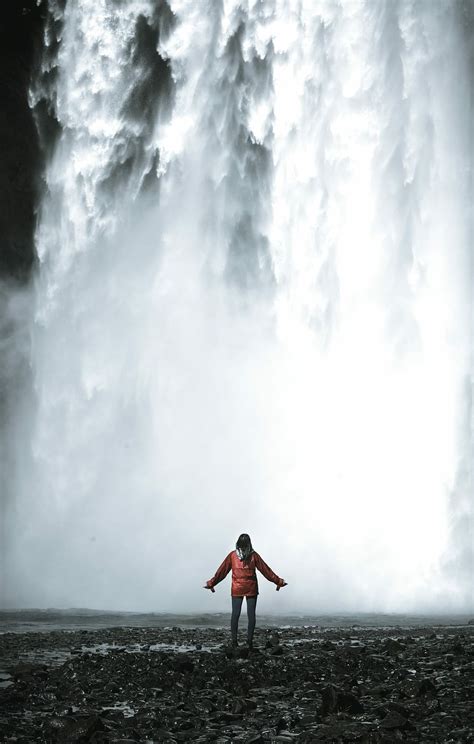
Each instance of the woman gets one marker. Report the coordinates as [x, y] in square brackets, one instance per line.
[243, 561]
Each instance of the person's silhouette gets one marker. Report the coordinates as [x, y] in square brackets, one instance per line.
[243, 561]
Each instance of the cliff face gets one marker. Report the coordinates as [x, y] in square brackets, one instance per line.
[21, 25]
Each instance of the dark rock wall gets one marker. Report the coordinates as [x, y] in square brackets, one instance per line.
[21, 166]
[21, 24]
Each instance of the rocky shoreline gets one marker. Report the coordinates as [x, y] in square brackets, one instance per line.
[305, 684]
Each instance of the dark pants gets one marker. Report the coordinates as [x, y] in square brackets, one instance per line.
[234, 622]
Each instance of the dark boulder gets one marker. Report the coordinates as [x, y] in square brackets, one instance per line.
[394, 720]
[426, 687]
[334, 701]
[75, 729]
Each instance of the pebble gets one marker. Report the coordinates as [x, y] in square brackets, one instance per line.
[126, 687]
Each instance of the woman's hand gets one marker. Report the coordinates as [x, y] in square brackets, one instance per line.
[209, 587]
[280, 586]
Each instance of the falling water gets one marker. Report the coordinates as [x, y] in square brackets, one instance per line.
[252, 306]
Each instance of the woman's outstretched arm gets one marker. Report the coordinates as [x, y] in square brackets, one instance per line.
[267, 571]
[220, 574]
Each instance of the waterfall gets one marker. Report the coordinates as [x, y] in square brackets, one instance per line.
[252, 305]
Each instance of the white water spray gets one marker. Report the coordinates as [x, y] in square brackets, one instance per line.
[252, 307]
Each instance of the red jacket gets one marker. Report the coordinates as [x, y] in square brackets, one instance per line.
[244, 578]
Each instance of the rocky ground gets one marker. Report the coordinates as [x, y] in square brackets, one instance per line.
[310, 684]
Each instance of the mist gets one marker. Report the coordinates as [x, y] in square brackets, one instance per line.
[251, 312]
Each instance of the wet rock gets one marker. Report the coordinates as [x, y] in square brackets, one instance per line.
[163, 735]
[393, 646]
[184, 665]
[457, 648]
[276, 650]
[231, 652]
[273, 641]
[398, 708]
[239, 706]
[329, 700]
[334, 700]
[147, 692]
[24, 671]
[427, 687]
[75, 730]
[383, 710]
[395, 720]
[461, 734]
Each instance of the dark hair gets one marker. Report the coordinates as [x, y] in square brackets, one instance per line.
[244, 546]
